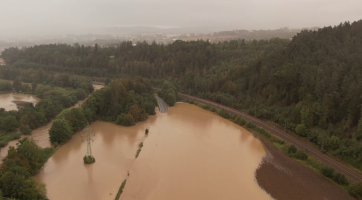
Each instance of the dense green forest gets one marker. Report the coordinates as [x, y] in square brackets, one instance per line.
[17, 170]
[124, 102]
[311, 83]
[53, 100]
[168, 93]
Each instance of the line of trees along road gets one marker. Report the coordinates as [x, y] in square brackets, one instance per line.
[311, 84]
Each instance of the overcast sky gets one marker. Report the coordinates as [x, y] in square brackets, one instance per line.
[21, 17]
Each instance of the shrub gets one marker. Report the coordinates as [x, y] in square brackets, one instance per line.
[355, 190]
[60, 131]
[125, 120]
[25, 129]
[146, 131]
[140, 145]
[15, 136]
[206, 107]
[248, 124]
[138, 152]
[223, 113]
[301, 155]
[3, 144]
[9, 123]
[213, 110]
[170, 99]
[340, 179]
[89, 159]
[301, 130]
[292, 149]
[241, 122]
[328, 172]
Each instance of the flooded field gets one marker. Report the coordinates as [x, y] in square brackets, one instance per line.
[8, 101]
[41, 134]
[189, 154]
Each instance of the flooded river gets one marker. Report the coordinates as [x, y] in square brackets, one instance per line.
[189, 154]
[8, 101]
[41, 134]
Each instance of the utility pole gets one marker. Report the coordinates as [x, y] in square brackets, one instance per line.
[88, 158]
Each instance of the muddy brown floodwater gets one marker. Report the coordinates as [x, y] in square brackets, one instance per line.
[188, 154]
[41, 134]
[8, 101]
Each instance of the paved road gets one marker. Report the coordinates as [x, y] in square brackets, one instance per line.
[351, 174]
[161, 104]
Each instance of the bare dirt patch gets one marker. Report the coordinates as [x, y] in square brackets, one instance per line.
[285, 179]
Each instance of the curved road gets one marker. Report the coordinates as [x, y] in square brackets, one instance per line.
[161, 104]
[351, 174]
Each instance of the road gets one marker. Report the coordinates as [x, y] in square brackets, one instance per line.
[161, 104]
[351, 174]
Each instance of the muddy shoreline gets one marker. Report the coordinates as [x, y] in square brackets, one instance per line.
[285, 179]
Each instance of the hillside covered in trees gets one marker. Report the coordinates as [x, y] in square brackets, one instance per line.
[312, 83]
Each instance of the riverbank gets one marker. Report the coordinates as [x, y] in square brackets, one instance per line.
[39, 135]
[352, 173]
[286, 178]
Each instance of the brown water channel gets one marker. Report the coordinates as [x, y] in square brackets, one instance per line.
[189, 154]
[8, 101]
[41, 134]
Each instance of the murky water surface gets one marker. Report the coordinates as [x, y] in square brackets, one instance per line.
[8, 101]
[189, 154]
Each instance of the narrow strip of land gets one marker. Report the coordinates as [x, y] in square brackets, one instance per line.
[352, 175]
[161, 104]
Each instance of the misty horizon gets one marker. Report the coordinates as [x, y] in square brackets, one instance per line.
[41, 17]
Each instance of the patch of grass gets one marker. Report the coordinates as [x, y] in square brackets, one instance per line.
[120, 190]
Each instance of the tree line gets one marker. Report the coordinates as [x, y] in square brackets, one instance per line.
[53, 100]
[311, 84]
[17, 170]
[124, 102]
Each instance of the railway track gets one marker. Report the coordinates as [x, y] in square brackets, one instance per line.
[351, 174]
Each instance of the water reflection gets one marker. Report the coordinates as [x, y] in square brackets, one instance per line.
[8, 101]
